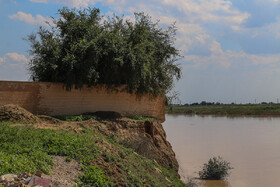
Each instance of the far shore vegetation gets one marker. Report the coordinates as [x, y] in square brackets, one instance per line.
[219, 109]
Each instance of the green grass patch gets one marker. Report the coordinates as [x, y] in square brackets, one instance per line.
[77, 117]
[246, 110]
[25, 149]
[145, 118]
[93, 176]
[142, 172]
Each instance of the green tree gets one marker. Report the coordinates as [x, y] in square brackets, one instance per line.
[82, 47]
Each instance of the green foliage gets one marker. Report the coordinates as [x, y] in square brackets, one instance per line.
[26, 149]
[81, 48]
[215, 169]
[77, 118]
[232, 110]
[18, 163]
[145, 118]
[139, 171]
[93, 176]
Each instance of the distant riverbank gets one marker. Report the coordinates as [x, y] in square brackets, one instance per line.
[228, 110]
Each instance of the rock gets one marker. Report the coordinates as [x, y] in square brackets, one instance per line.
[24, 185]
[37, 181]
[27, 180]
[24, 175]
[156, 162]
[158, 170]
[8, 178]
[39, 173]
[167, 180]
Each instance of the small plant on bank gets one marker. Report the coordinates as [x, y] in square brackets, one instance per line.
[145, 118]
[215, 169]
[76, 117]
[93, 176]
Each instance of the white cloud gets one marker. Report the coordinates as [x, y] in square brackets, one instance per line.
[210, 10]
[13, 67]
[13, 58]
[226, 59]
[28, 18]
[72, 3]
[274, 28]
[39, 1]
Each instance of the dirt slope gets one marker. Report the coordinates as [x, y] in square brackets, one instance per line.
[16, 113]
[145, 137]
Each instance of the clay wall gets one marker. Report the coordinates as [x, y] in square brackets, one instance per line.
[53, 99]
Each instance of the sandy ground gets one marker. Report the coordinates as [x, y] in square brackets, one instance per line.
[63, 173]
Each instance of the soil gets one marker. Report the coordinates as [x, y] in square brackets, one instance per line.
[63, 173]
[16, 113]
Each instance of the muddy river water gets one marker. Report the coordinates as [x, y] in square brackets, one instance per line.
[251, 145]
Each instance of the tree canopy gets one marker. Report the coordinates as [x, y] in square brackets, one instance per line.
[83, 47]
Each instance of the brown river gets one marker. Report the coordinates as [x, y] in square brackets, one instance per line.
[250, 144]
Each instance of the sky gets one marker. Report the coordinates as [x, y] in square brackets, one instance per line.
[230, 49]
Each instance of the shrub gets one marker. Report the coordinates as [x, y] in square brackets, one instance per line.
[77, 117]
[215, 169]
[93, 176]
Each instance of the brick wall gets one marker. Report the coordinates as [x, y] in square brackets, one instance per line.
[53, 99]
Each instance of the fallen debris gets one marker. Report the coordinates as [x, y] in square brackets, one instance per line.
[63, 174]
[24, 180]
[38, 181]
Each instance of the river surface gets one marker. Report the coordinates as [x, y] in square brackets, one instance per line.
[251, 145]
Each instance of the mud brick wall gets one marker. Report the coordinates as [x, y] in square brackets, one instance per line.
[53, 99]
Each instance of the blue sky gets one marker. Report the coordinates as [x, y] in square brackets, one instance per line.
[231, 49]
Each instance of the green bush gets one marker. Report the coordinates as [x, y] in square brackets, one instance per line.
[215, 169]
[26, 149]
[93, 176]
[77, 117]
[82, 48]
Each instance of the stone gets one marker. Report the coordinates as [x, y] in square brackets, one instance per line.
[27, 180]
[24, 185]
[39, 173]
[167, 180]
[36, 181]
[158, 170]
[24, 175]
[8, 178]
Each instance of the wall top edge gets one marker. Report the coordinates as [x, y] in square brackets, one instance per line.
[28, 82]
[47, 83]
